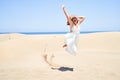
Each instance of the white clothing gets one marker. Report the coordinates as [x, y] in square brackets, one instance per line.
[71, 39]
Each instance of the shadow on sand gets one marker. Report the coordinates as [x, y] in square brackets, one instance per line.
[63, 69]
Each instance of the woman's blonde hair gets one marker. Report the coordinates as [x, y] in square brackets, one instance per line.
[72, 17]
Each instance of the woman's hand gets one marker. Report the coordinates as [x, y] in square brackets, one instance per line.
[80, 17]
[63, 6]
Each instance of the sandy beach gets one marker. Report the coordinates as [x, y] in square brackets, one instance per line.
[21, 57]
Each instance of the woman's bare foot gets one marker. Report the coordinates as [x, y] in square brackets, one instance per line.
[65, 45]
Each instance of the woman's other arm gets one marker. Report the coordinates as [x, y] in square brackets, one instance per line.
[81, 19]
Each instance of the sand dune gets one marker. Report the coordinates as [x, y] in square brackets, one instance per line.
[105, 41]
[21, 57]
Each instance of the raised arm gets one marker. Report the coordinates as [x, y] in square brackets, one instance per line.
[67, 15]
[81, 19]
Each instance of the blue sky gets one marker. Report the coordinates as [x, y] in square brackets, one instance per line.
[47, 15]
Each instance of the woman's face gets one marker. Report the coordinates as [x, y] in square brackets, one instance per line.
[74, 20]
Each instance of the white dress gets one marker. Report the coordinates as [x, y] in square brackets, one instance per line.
[71, 39]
